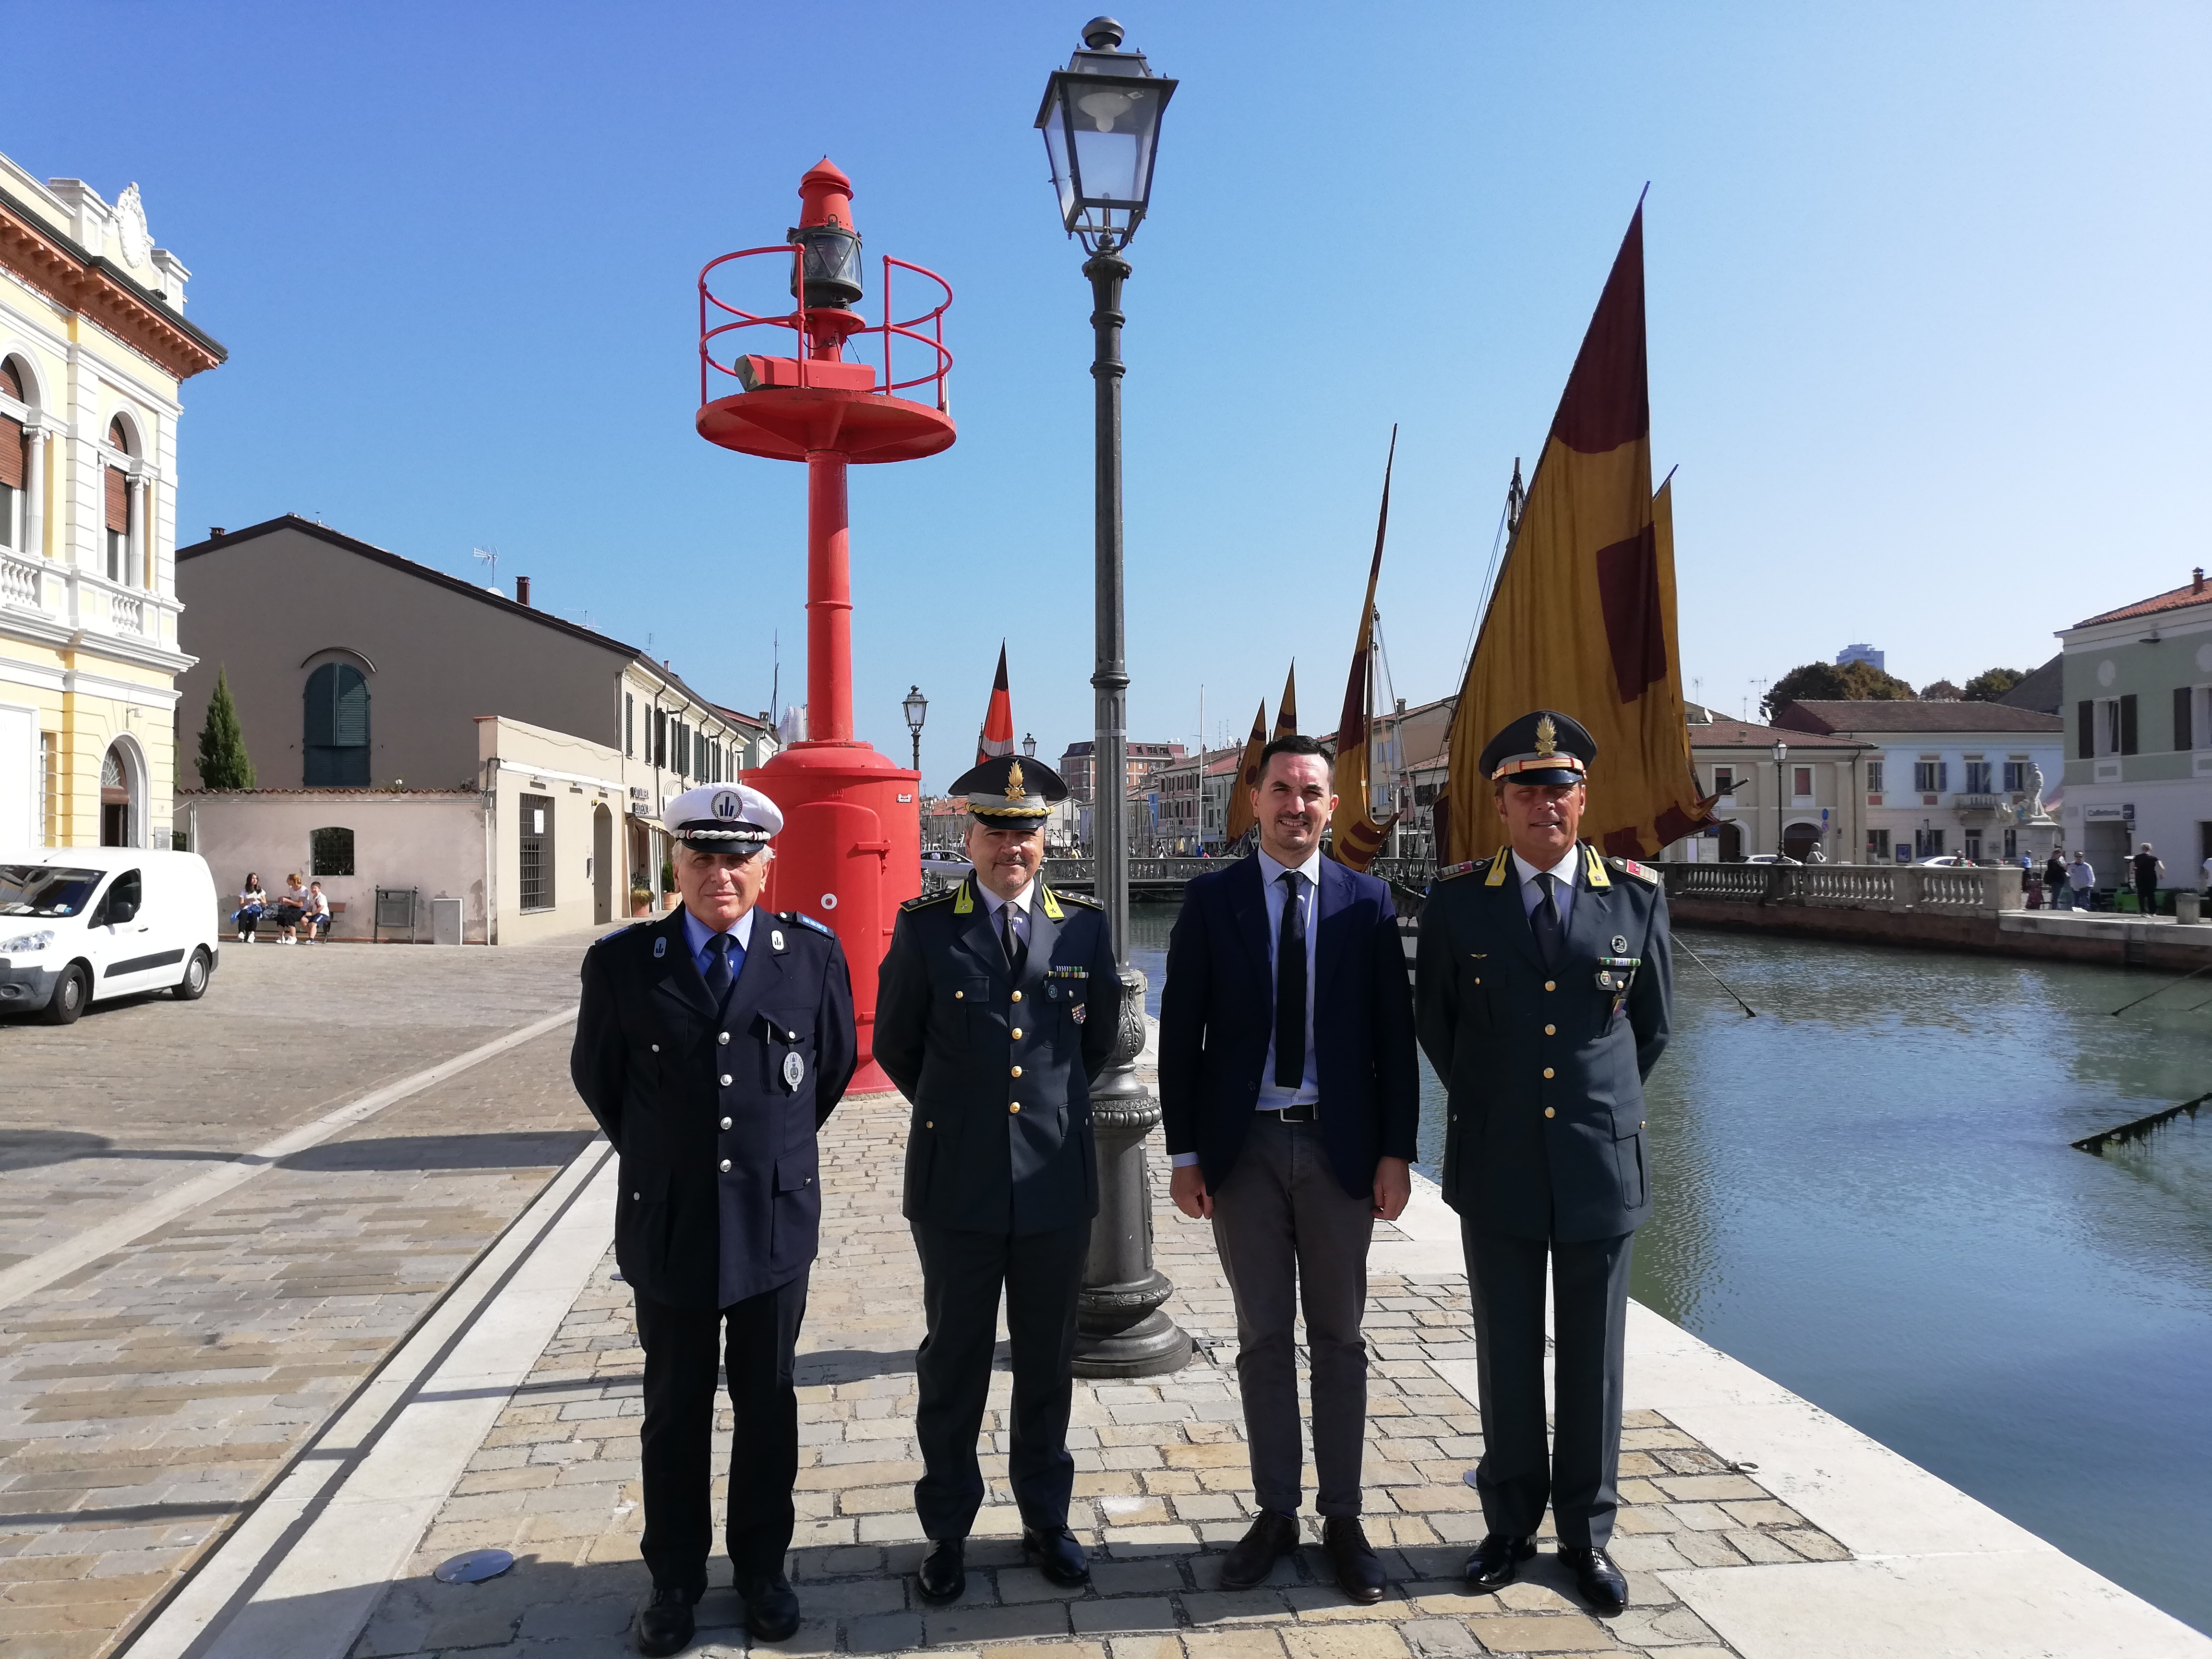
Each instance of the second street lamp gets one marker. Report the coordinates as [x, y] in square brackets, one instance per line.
[1781, 804]
[1101, 121]
[916, 707]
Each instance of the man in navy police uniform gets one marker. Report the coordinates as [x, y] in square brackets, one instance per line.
[996, 1009]
[710, 1047]
[1543, 1003]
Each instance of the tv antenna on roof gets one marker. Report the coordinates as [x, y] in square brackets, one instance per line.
[490, 557]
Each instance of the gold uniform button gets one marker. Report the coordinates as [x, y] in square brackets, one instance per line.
[1550, 1030]
[957, 995]
[1549, 986]
[1018, 1034]
[1017, 1070]
[1016, 1107]
[1640, 1124]
[1547, 1072]
[1548, 1112]
[1017, 996]
[930, 1123]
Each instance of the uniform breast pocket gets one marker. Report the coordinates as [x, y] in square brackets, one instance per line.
[1067, 993]
[963, 1007]
[786, 1050]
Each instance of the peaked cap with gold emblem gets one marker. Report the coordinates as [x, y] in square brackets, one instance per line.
[1543, 747]
[1009, 788]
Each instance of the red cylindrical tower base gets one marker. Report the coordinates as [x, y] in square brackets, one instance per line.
[849, 855]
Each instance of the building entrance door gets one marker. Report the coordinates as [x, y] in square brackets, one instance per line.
[117, 805]
[603, 866]
[1799, 839]
[1731, 842]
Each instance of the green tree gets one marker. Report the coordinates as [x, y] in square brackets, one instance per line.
[1855, 682]
[1940, 691]
[1991, 684]
[223, 761]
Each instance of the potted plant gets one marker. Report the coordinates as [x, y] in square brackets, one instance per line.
[641, 900]
[667, 883]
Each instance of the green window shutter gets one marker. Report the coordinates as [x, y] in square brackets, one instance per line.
[2184, 738]
[2127, 724]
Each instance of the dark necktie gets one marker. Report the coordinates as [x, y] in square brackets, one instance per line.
[1016, 952]
[719, 974]
[1291, 986]
[1545, 918]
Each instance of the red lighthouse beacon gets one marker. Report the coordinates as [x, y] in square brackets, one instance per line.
[850, 851]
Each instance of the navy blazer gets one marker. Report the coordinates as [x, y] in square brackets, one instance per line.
[721, 1196]
[1217, 1014]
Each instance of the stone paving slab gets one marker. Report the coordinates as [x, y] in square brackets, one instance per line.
[147, 1397]
[1163, 1489]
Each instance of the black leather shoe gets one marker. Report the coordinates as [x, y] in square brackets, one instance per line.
[1596, 1577]
[1496, 1560]
[771, 1605]
[1059, 1556]
[1272, 1537]
[943, 1575]
[1359, 1572]
[663, 1624]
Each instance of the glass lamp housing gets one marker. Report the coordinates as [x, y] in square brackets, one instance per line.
[833, 266]
[1101, 121]
[917, 708]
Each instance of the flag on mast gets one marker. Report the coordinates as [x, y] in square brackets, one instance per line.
[1286, 712]
[1581, 618]
[1356, 837]
[1248, 779]
[997, 737]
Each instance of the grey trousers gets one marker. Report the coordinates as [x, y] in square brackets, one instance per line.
[1580, 1474]
[1288, 1232]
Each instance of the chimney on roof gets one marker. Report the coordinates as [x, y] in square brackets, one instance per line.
[216, 530]
[2196, 585]
[522, 590]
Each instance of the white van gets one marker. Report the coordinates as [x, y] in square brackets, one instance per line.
[81, 924]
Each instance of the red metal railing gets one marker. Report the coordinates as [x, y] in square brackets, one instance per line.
[814, 326]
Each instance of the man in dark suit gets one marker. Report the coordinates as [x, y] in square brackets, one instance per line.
[1290, 1097]
[996, 1009]
[1544, 1003]
[710, 1047]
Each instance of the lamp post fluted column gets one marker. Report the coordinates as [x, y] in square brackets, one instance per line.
[1121, 1330]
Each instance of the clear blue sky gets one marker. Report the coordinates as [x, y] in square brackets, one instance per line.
[1928, 290]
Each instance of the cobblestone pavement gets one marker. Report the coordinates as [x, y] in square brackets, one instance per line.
[1161, 1489]
[146, 1397]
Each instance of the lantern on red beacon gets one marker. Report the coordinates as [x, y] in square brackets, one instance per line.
[816, 384]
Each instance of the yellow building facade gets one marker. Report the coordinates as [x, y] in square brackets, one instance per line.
[94, 346]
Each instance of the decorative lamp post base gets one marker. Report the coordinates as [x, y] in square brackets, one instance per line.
[1120, 1327]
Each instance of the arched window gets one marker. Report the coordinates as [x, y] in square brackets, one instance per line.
[117, 503]
[337, 741]
[13, 470]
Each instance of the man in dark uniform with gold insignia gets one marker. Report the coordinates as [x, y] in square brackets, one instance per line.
[996, 1008]
[710, 1047]
[1543, 1003]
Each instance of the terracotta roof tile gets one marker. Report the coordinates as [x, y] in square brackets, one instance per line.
[2179, 598]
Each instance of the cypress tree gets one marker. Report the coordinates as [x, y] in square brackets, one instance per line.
[223, 761]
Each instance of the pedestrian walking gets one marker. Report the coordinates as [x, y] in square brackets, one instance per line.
[710, 1045]
[252, 902]
[2081, 877]
[997, 1007]
[1544, 1002]
[1290, 1097]
[2055, 885]
[2146, 868]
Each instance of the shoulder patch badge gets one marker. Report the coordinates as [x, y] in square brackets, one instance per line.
[806, 921]
[1642, 872]
[1451, 871]
[920, 900]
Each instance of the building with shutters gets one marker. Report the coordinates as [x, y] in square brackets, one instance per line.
[94, 346]
[391, 680]
[2137, 704]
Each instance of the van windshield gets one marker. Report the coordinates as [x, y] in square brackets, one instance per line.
[41, 890]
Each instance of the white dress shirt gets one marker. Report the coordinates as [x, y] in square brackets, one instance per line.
[993, 904]
[1563, 893]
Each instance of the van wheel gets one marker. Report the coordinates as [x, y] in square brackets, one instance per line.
[193, 986]
[72, 992]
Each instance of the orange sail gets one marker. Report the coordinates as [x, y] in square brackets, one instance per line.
[1582, 618]
[1286, 712]
[997, 735]
[1355, 836]
[1248, 779]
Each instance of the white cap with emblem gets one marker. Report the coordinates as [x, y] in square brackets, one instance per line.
[722, 817]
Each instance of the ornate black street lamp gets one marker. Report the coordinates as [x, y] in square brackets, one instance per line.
[917, 710]
[1028, 746]
[1781, 802]
[1101, 121]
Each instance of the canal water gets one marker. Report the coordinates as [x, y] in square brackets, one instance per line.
[1867, 1193]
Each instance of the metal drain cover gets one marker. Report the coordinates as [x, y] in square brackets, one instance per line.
[474, 1567]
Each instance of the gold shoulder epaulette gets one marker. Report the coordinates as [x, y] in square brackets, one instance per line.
[1642, 872]
[920, 900]
[1084, 899]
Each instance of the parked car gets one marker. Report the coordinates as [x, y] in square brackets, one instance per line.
[82, 924]
[1773, 858]
[1947, 861]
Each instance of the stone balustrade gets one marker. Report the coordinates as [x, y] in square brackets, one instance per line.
[1953, 890]
[20, 581]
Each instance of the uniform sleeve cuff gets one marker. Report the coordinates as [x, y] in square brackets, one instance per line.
[1182, 1160]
